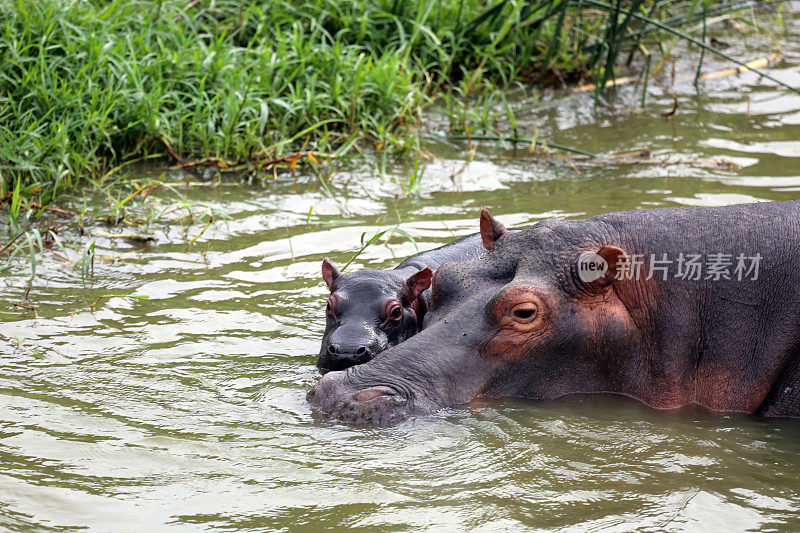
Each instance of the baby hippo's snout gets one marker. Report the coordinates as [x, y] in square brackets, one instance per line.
[341, 357]
[334, 397]
[349, 345]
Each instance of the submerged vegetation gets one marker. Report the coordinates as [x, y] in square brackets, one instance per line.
[87, 85]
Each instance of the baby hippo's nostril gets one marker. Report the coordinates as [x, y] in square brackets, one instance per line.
[361, 350]
[333, 349]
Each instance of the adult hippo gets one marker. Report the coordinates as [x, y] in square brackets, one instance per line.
[532, 320]
[371, 310]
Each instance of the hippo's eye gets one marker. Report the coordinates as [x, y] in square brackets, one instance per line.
[524, 311]
[393, 311]
[524, 314]
[520, 308]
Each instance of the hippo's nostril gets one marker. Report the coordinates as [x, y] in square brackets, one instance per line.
[361, 350]
[333, 349]
[371, 393]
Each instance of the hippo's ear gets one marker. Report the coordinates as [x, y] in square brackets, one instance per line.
[419, 282]
[613, 257]
[329, 273]
[600, 269]
[491, 229]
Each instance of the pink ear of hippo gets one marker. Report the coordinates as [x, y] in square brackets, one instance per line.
[329, 273]
[419, 282]
[491, 229]
[613, 256]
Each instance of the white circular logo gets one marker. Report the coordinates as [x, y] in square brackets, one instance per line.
[591, 267]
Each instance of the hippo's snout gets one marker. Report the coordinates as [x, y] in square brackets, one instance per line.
[379, 405]
[323, 396]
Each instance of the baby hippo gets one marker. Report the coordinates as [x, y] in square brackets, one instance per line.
[370, 310]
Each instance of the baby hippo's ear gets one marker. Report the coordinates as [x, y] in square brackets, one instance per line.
[329, 273]
[419, 282]
[491, 229]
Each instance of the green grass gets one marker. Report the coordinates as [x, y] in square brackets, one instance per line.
[88, 84]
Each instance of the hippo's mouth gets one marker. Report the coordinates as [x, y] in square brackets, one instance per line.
[375, 405]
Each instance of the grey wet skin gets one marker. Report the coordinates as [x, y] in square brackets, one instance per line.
[521, 323]
[370, 310]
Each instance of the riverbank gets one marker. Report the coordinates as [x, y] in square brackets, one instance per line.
[88, 87]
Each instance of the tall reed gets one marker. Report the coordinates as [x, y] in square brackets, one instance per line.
[86, 84]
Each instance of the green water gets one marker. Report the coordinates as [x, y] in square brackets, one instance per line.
[186, 410]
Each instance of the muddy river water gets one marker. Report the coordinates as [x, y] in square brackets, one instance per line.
[186, 410]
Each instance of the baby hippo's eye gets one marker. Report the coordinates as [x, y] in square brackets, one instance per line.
[392, 311]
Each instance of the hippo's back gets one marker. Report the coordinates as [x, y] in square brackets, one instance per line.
[463, 249]
[736, 311]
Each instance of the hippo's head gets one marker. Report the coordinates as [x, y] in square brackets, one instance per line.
[367, 312]
[519, 322]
